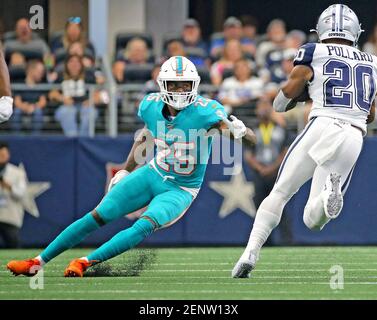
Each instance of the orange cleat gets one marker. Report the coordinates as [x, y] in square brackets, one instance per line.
[77, 267]
[28, 267]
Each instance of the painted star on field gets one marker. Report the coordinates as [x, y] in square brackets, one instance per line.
[238, 193]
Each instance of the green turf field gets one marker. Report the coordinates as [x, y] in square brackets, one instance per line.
[203, 273]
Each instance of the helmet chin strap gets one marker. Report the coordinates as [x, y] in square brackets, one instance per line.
[180, 102]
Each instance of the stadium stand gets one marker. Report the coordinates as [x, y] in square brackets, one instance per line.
[134, 79]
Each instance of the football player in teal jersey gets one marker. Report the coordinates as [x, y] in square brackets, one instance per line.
[179, 122]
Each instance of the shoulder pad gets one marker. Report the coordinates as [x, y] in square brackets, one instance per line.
[304, 55]
[146, 102]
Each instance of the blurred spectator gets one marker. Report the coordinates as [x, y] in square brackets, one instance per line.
[267, 155]
[74, 99]
[73, 32]
[250, 31]
[276, 33]
[29, 104]
[17, 59]
[151, 85]
[371, 45]
[13, 187]
[192, 35]
[136, 52]
[196, 49]
[287, 63]
[295, 39]
[242, 88]
[249, 27]
[175, 48]
[77, 48]
[281, 67]
[232, 31]
[232, 52]
[25, 41]
[275, 58]
[278, 74]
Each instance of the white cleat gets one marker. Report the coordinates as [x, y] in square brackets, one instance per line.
[243, 267]
[333, 198]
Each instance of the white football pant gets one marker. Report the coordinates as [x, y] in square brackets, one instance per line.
[326, 145]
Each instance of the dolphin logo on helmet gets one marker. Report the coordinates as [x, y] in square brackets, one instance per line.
[178, 68]
[338, 21]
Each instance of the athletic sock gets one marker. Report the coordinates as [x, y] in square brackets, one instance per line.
[70, 237]
[265, 222]
[123, 241]
[267, 218]
[41, 262]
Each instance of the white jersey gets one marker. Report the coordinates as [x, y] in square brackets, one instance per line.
[344, 81]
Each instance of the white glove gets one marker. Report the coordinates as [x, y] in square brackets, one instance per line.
[6, 108]
[237, 127]
[117, 177]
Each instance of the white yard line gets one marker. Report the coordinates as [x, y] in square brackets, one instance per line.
[254, 271]
[252, 281]
[227, 270]
[262, 263]
[230, 261]
[273, 292]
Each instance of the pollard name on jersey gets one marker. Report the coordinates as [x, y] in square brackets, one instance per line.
[344, 79]
[183, 146]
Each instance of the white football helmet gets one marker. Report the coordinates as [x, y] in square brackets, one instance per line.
[338, 21]
[178, 68]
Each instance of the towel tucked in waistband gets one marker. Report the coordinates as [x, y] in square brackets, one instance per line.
[329, 142]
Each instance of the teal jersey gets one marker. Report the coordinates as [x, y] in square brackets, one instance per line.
[183, 145]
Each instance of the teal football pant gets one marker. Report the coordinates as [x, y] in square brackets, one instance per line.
[166, 201]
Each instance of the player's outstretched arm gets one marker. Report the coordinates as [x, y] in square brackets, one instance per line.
[6, 100]
[138, 149]
[137, 153]
[294, 89]
[236, 129]
[250, 137]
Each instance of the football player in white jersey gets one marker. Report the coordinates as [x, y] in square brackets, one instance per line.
[341, 81]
